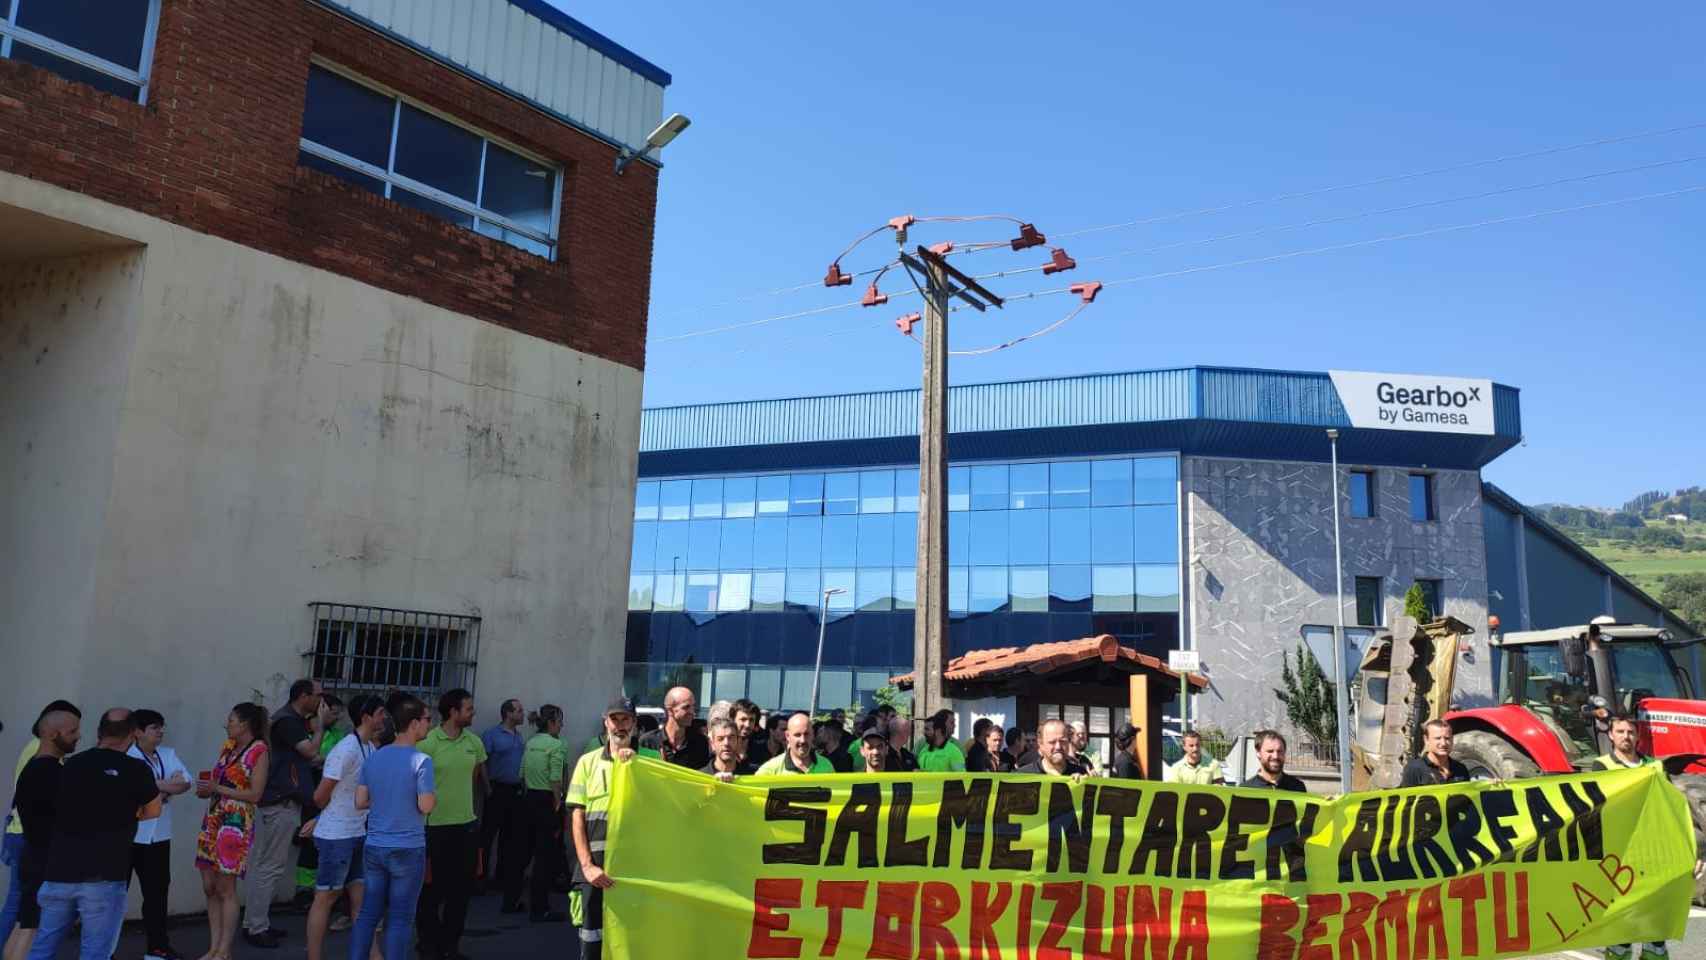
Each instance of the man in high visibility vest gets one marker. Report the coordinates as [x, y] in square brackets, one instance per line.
[1626, 753]
[588, 800]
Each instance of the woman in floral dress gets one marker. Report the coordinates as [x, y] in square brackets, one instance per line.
[222, 848]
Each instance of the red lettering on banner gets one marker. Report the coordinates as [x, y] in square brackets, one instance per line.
[1151, 922]
[984, 913]
[937, 904]
[1279, 915]
[1321, 906]
[1430, 926]
[1067, 897]
[1027, 894]
[1469, 890]
[1095, 899]
[1394, 914]
[891, 928]
[1504, 940]
[1584, 896]
[1622, 870]
[768, 895]
[1353, 935]
[1193, 927]
[837, 896]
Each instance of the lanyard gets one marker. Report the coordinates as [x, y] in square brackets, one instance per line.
[156, 765]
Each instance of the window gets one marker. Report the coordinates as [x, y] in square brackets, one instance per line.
[359, 649]
[707, 498]
[876, 491]
[805, 494]
[1422, 498]
[673, 499]
[738, 497]
[1370, 605]
[773, 495]
[1069, 484]
[107, 44]
[1110, 483]
[645, 493]
[1362, 494]
[1431, 598]
[390, 146]
[841, 493]
[1029, 486]
[989, 487]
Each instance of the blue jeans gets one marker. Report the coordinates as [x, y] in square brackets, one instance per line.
[393, 877]
[10, 854]
[100, 906]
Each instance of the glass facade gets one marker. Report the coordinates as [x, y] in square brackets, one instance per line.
[727, 573]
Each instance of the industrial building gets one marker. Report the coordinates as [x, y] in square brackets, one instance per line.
[322, 325]
[1186, 508]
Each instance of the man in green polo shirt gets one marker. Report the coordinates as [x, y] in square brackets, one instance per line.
[1194, 767]
[800, 756]
[940, 754]
[588, 800]
[453, 835]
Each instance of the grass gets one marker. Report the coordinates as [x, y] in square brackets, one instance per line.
[1648, 566]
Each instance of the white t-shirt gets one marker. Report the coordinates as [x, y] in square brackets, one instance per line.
[165, 763]
[341, 820]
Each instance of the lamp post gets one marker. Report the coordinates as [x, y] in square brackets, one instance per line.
[1342, 696]
[822, 625]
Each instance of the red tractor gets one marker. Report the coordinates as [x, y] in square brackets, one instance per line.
[1557, 689]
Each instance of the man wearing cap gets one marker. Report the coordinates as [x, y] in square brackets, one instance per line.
[726, 761]
[588, 800]
[799, 756]
[874, 750]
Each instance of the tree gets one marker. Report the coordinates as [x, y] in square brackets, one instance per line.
[1416, 604]
[1685, 593]
[1309, 697]
[893, 696]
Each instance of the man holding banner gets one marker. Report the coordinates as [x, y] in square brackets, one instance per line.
[799, 756]
[588, 799]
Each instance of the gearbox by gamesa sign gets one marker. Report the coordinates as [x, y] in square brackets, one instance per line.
[1407, 401]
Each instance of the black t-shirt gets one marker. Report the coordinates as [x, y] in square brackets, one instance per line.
[694, 753]
[1125, 766]
[290, 776]
[1286, 782]
[744, 768]
[100, 791]
[1073, 768]
[37, 799]
[1420, 772]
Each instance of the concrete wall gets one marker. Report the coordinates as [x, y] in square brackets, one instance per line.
[1259, 538]
[200, 439]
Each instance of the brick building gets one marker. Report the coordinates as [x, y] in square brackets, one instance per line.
[321, 334]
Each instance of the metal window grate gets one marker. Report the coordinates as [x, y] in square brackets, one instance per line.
[361, 649]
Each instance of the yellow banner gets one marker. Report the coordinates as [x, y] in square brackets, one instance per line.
[917, 866]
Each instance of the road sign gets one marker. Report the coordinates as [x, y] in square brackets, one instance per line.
[1183, 661]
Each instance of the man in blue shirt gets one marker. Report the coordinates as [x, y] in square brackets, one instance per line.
[397, 791]
[499, 821]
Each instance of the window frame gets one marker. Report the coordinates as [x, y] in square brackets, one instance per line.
[392, 179]
[1379, 619]
[1430, 507]
[139, 78]
[1373, 495]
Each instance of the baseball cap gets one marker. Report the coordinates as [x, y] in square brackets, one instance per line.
[874, 734]
[619, 704]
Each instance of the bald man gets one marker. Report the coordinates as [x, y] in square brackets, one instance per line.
[800, 755]
[677, 741]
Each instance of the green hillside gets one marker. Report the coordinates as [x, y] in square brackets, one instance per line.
[1649, 542]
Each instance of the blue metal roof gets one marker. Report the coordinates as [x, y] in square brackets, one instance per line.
[1215, 411]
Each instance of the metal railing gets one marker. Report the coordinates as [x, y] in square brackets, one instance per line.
[378, 650]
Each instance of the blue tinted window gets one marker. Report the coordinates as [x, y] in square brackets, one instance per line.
[876, 588]
[668, 592]
[708, 497]
[737, 545]
[989, 487]
[519, 189]
[1422, 497]
[701, 594]
[768, 588]
[428, 205]
[1155, 480]
[905, 539]
[639, 591]
[1362, 493]
[438, 154]
[805, 494]
[805, 541]
[959, 488]
[876, 491]
[1027, 536]
[959, 590]
[672, 547]
[738, 495]
[876, 540]
[1158, 588]
[905, 588]
[674, 499]
[770, 543]
[109, 29]
[988, 538]
[841, 493]
[704, 543]
[645, 547]
[347, 117]
[959, 538]
[842, 582]
[734, 592]
[1069, 484]
[1110, 483]
[1110, 535]
[772, 495]
[1029, 486]
[646, 500]
[840, 541]
[1029, 587]
[1069, 588]
[803, 588]
[1069, 536]
[1112, 588]
[906, 491]
[988, 589]
[1157, 533]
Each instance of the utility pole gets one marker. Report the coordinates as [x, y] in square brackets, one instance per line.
[930, 628]
[1341, 692]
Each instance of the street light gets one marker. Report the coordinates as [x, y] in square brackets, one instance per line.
[822, 625]
[1341, 696]
[656, 140]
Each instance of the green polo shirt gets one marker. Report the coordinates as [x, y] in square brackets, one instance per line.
[1203, 774]
[453, 764]
[781, 764]
[542, 761]
[944, 759]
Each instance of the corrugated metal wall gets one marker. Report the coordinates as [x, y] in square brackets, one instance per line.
[505, 44]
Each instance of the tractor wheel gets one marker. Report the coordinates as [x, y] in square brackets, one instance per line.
[1491, 757]
[1693, 787]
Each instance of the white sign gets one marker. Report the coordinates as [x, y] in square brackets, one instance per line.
[1183, 661]
[1407, 401]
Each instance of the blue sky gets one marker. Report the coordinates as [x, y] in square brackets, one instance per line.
[814, 123]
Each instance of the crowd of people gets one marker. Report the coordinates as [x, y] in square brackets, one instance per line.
[403, 817]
